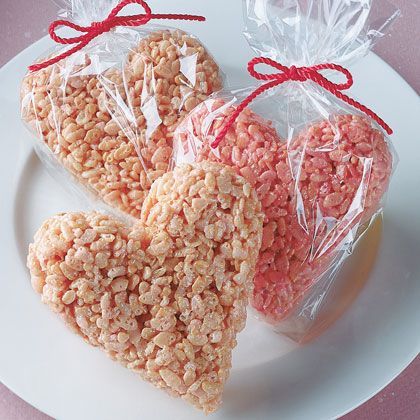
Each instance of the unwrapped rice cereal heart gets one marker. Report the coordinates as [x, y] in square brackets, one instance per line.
[167, 297]
[314, 191]
[113, 131]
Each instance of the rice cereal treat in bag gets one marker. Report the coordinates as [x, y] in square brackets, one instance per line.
[320, 161]
[106, 106]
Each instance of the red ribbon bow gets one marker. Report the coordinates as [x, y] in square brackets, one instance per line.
[298, 74]
[98, 28]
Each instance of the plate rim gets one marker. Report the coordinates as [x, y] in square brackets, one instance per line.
[397, 371]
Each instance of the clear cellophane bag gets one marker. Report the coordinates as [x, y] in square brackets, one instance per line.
[321, 168]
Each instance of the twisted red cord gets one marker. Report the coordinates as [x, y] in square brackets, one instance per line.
[98, 28]
[297, 74]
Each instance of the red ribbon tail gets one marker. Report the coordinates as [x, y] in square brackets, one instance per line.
[261, 89]
[57, 58]
[172, 16]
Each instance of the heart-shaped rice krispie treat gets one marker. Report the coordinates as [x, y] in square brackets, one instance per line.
[167, 297]
[113, 131]
[313, 192]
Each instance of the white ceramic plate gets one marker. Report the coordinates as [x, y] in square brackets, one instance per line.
[364, 350]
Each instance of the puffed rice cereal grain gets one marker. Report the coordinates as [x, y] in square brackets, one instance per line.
[160, 298]
[313, 191]
[113, 131]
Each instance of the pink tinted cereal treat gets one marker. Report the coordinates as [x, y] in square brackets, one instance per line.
[167, 297]
[342, 168]
[109, 120]
[314, 191]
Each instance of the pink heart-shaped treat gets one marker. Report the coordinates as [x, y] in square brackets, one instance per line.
[112, 129]
[314, 190]
[166, 297]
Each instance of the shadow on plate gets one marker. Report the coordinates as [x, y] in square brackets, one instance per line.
[294, 383]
